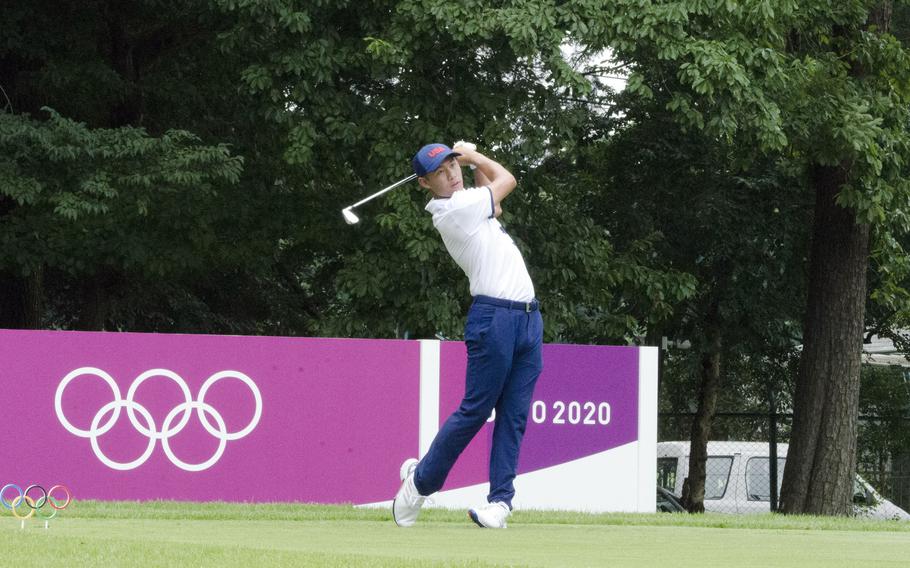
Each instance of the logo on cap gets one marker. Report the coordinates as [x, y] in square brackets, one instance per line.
[430, 157]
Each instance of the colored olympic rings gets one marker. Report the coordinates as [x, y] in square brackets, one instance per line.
[25, 501]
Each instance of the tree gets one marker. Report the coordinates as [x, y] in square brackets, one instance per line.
[826, 86]
[362, 87]
[146, 85]
[79, 199]
[848, 197]
[324, 102]
[739, 229]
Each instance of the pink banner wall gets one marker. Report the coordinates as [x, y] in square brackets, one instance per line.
[263, 419]
[585, 402]
[333, 413]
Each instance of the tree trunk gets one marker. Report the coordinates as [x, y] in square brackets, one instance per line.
[12, 291]
[122, 59]
[693, 496]
[34, 299]
[96, 300]
[900, 479]
[821, 460]
[21, 301]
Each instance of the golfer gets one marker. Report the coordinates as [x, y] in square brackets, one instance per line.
[503, 332]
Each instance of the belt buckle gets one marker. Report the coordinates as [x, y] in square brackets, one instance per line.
[527, 307]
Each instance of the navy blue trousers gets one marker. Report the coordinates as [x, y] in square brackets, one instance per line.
[504, 361]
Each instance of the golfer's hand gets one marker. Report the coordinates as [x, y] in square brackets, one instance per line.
[467, 150]
[487, 172]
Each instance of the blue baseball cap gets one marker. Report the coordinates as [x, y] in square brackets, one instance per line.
[430, 157]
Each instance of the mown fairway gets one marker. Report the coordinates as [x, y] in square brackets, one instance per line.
[172, 534]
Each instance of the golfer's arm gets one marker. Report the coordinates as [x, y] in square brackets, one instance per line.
[481, 180]
[491, 174]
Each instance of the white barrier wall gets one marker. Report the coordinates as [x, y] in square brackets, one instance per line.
[591, 438]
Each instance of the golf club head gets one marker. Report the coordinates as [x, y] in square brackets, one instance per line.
[347, 212]
[349, 216]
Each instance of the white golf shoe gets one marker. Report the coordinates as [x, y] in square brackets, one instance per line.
[491, 516]
[408, 501]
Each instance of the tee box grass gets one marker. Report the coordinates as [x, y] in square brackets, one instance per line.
[231, 534]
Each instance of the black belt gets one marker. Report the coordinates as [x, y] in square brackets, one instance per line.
[531, 306]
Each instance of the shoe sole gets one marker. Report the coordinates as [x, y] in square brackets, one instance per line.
[393, 516]
[473, 516]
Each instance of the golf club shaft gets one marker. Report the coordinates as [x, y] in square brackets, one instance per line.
[380, 192]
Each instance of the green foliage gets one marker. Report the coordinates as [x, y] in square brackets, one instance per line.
[740, 230]
[98, 196]
[797, 86]
[326, 102]
[361, 90]
[593, 291]
[191, 241]
[809, 80]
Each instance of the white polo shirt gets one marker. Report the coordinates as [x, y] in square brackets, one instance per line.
[481, 246]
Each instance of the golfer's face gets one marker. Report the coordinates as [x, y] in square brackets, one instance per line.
[446, 179]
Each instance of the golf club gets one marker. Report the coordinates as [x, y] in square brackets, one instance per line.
[349, 216]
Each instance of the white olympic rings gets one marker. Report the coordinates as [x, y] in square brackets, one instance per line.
[147, 427]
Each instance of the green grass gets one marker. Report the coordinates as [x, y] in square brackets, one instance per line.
[230, 534]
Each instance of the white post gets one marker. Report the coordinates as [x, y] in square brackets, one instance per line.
[647, 429]
[429, 394]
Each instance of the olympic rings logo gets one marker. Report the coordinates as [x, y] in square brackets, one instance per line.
[147, 426]
[34, 506]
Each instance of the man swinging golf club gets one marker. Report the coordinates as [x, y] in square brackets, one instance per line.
[503, 332]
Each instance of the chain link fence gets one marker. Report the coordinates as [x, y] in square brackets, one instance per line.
[739, 468]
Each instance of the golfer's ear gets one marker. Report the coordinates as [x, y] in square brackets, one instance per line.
[423, 182]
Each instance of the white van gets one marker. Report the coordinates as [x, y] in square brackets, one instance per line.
[738, 474]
